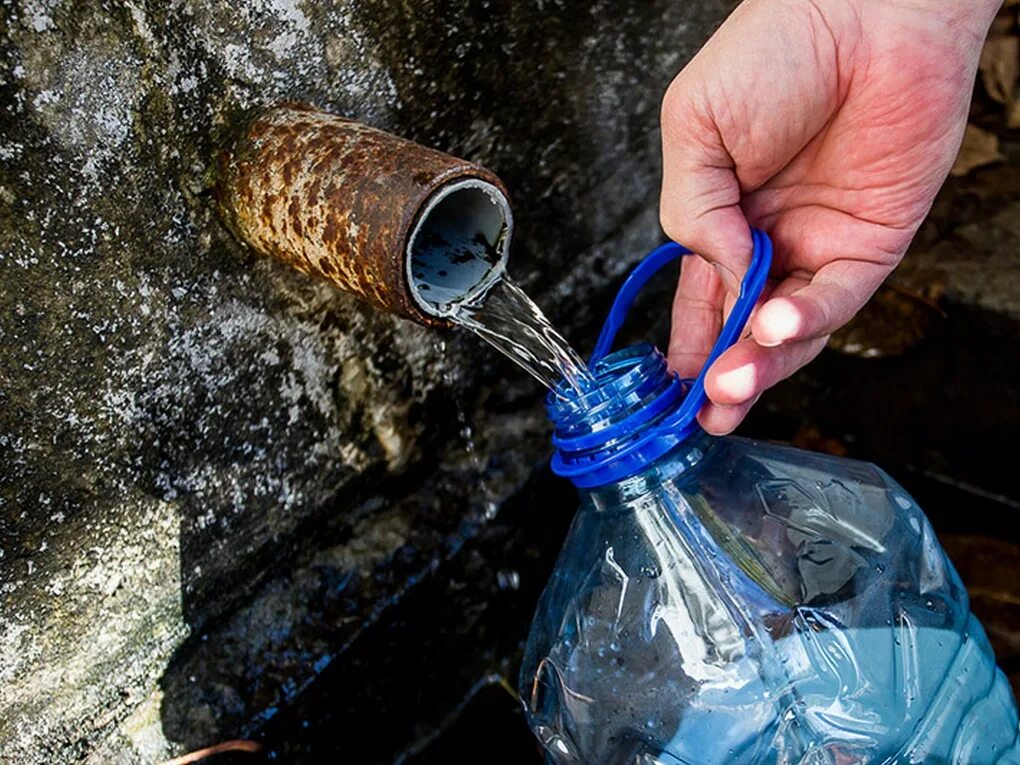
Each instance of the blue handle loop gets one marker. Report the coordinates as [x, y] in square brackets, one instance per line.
[750, 290]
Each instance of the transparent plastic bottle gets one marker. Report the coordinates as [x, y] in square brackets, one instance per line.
[724, 601]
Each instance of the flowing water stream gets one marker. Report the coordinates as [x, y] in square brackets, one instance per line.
[506, 318]
[450, 255]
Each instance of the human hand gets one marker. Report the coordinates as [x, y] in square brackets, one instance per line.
[830, 124]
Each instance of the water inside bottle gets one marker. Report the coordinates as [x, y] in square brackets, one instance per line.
[867, 682]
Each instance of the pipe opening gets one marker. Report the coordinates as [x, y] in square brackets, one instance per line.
[459, 246]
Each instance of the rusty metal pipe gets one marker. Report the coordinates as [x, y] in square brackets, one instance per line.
[408, 229]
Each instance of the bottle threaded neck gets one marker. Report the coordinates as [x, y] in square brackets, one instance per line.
[623, 422]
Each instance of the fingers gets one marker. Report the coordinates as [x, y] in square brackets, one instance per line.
[805, 311]
[697, 316]
[736, 381]
[835, 262]
[720, 420]
[700, 200]
[787, 332]
[747, 369]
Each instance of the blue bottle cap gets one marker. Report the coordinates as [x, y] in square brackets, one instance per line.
[639, 410]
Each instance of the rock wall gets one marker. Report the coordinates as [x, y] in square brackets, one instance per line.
[201, 451]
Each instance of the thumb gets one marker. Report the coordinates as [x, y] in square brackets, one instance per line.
[699, 206]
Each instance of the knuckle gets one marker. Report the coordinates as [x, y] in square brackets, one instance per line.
[670, 109]
[675, 109]
[673, 222]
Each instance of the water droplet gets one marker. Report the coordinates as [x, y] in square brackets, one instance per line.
[508, 579]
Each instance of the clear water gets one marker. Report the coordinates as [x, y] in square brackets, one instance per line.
[448, 258]
[972, 720]
[860, 697]
[506, 318]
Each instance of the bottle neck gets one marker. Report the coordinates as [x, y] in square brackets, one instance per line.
[624, 425]
[685, 458]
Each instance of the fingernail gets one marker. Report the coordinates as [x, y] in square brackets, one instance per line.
[739, 384]
[777, 322]
[728, 278]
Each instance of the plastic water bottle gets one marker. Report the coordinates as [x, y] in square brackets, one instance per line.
[724, 601]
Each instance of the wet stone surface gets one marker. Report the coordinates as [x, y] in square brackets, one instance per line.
[215, 473]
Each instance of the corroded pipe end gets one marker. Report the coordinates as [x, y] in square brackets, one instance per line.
[408, 229]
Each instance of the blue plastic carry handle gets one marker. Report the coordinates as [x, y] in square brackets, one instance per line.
[750, 290]
[606, 450]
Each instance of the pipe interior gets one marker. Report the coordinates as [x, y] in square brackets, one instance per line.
[459, 246]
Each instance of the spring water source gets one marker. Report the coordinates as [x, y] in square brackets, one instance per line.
[502, 314]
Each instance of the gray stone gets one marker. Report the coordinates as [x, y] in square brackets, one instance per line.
[980, 264]
[968, 248]
[178, 420]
